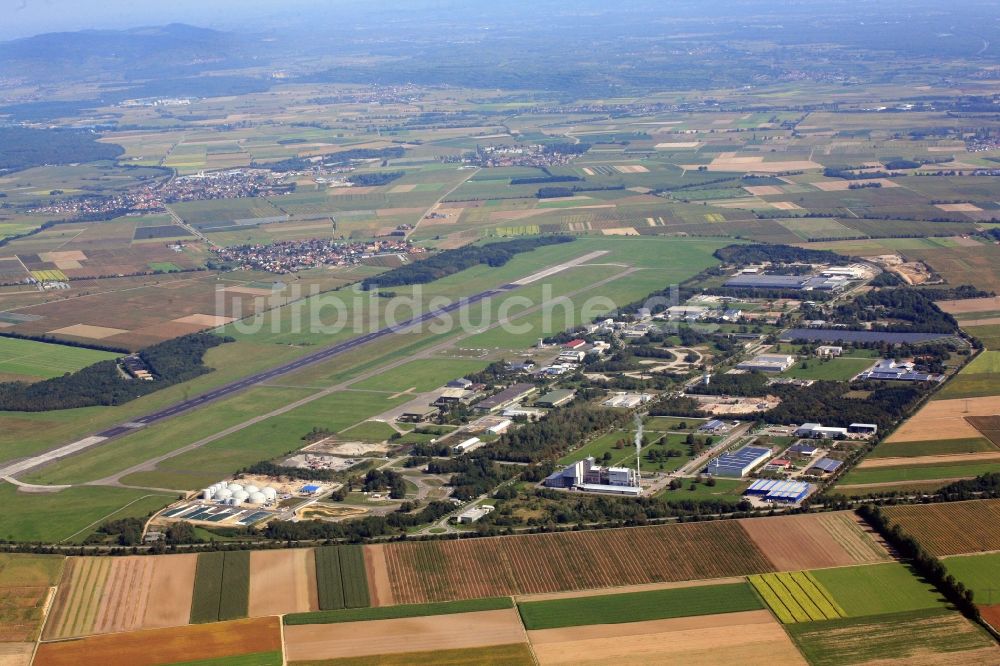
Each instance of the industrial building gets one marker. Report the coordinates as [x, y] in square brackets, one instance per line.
[825, 466]
[862, 428]
[768, 363]
[797, 282]
[556, 398]
[790, 492]
[419, 414]
[738, 463]
[586, 475]
[627, 400]
[889, 370]
[505, 398]
[474, 514]
[829, 351]
[467, 445]
[803, 449]
[817, 431]
[713, 426]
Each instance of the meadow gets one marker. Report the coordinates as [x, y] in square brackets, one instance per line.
[878, 588]
[27, 360]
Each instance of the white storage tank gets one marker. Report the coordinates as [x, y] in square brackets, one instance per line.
[223, 494]
[269, 493]
[235, 487]
[257, 498]
[236, 501]
[208, 493]
[240, 494]
[251, 489]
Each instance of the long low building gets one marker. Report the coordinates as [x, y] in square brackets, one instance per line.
[505, 398]
[817, 431]
[798, 282]
[889, 370]
[770, 490]
[768, 363]
[738, 463]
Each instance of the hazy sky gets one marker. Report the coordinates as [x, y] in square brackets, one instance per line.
[23, 18]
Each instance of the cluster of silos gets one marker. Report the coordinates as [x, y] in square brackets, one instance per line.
[236, 494]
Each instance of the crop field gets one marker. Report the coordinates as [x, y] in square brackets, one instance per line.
[25, 585]
[310, 642]
[30, 360]
[515, 654]
[341, 577]
[221, 586]
[796, 597]
[813, 541]
[750, 637]
[878, 589]
[423, 572]
[923, 637]
[955, 528]
[933, 448]
[954, 468]
[228, 641]
[980, 573]
[638, 606]
[397, 612]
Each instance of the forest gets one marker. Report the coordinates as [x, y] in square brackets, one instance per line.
[23, 148]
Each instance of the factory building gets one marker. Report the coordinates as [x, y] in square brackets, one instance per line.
[789, 492]
[817, 431]
[586, 475]
[768, 363]
[738, 463]
[889, 370]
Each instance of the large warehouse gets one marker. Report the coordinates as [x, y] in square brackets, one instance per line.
[738, 463]
[770, 490]
[803, 282]
[768, 363]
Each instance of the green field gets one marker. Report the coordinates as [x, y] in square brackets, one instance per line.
[70, 514]
[878, 588]
[25, 570]
[919, 472]
[729, 489]
[916, 634]
[420, 376]
[255, 659]
[835, 369]
[31, 360]
[942, 447]
[981, 573]
[639, 606]
[221, 586]
[516, 654]
[341, 578]
[406, 610]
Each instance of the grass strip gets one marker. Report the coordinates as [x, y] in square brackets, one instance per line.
[207, 587]
[393, 612]
[354, 577]
[234, 599]
[255, 659]
[639, 606]
[329, 583]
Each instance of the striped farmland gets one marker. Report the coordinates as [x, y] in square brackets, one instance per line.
[796, 597]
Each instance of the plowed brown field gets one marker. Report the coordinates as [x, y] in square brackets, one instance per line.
[172, 589]
[425, 571]
[165, 646]
[283, 581]
[753, 638]
[814, 541]
[439, 632]
[953, 528]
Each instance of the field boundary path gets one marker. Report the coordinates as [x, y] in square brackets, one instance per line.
[240, 385]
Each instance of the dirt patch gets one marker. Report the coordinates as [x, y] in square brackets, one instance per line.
[946, 419]
[172, 587]
[280, 582]
[763, 190]
[88, 331]
[752, 637]
[989, 426]
[620, 231]
[16, 654]
[991, 614]
[162, 646]
[813, 541]
[785, 205]
[379, 587]
[959, 208]
[204, 320]
[63, 255]
[418, 634]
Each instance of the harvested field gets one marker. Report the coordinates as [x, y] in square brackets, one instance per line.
[123, 603]
[844, 185]
[922, 636]
[631, 168]
[78, 600]
[989, 304]
[959, 208]
[945, 419]
[442, 632]
[991, 614]
[672, 144]
[21, 612]
[88, 331]
[172, 585]
[540, 563]
[875, 463]
[750, 638]
[814, 541]
[516, 654]
[282, 581]
[754, 164]
[954, 528]
[988, 321]
[785, 205]
[166, 646]
[16, 654]
[209, 321]
[763, 190]
[379, 587]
